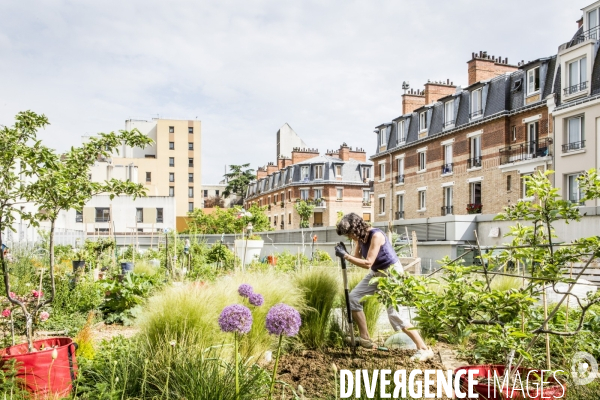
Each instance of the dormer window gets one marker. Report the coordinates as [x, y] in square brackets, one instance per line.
[476, 104]
[533, 81]
[576, 76]
[448, 113]
[382, 137]
[401, 138]
[318, 170]
[423, 121]
[593, 22]
[304, 171]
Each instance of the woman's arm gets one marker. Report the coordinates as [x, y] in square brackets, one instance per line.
[377, 240]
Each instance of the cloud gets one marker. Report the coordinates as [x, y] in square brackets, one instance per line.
[333, 70]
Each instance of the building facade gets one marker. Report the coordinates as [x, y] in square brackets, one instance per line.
[337, 182]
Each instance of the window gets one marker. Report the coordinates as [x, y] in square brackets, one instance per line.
[382, 171]
[318, 193]
[304, 194]
[423, 121]
[190, 177]
[593, 23]
[148, 176]
[78, 216]
[289, 218]
[139, 215]
[574, 192]
[289, 195]
[190, 145]
[159, 215]
[533, 81]
[447, 167]
[205, 193]
[422, 161]
[514, 133]
[190, 162]
[318, 219]
[190, 129]
[171, 191]
[476, 105]
[524, 186]
[217, 193]
[448, 113]
[399, 206]
[532, 137]
[400, 166]
[171, 129]
[171, 161]
[575, 135]
[338, 171]
[577, 76]
[475, 192]
[382, 137]
[366, 198]
[171, 177]
[508, 183]
[190, 207]
[304, 171]
[448, 200]
[366, 172]
[367, 217]
[382, 205]
[318, 170]
[275, 197]
[282, 197]
[275, 220]
[475, 160]
[401, 137]
[340, 193]
[171, 145]
[102, 214]
[190, 192]
[422, 200]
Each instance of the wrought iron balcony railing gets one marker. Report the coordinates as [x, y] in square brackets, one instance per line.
[448, 123]
[580, 87]
[573, 146]
[447, 210]
[447, 168]
[475, 114]
[474, 162]
[526, 151]
[399, 214]
[399, 178]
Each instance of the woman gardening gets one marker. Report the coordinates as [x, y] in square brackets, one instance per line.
[373, 251]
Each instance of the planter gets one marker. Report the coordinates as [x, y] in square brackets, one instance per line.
[40, 375]
[252, 249]
[78, 265]
[126, 267]
[552, 390]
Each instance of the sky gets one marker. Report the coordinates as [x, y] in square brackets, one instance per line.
[333, 69]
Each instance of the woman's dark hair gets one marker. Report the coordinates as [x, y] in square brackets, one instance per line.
[352, 223]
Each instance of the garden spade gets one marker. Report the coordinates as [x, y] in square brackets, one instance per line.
[347, 295]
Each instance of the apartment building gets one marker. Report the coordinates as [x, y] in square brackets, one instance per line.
[212, 194]
[337, 182]
[456, 151]
[577, 108]
[171, 166]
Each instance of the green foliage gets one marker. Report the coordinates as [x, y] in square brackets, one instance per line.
[230, 220]
[321, 286]
[322, 256]
[124, 296]
[192, 311]
[238, 179]
[304, 210]
[219, 254]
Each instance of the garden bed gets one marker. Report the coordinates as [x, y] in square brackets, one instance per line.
[313, 369]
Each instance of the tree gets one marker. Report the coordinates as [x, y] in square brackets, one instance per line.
[215, 201]
[238, 180]
[228, 220]
[304, 210]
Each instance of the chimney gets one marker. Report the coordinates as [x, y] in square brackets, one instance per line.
[282, 162]
[301, 154]
[579, 22]
[344, 152]
[261, 172]
[436, 90]
[358, 155]
[411, 100]
[271, 167]
[483, 67]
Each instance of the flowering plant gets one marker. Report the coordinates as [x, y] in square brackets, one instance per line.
[474, 208]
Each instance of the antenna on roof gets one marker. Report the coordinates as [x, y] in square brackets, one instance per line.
[405, 86]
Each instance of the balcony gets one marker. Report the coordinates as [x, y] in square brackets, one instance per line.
[447, 210]
[580, 87]
[474, 162]
[366, 203]
[593, 34]
[476, 114]
[526, 151]
[399, 214]
[573, 146]
[447, 168]
[399, 178]
[319, 203]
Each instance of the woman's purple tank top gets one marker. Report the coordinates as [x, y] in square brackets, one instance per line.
[386, 257]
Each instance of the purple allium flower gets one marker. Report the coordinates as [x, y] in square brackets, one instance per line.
[282, 318]
[245, 290]
[256, 299]
[235, 318]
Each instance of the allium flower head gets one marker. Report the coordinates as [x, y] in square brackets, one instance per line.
[6, 312]
[283, 319]
[256, 299]
[245, 290]
[235, 318]
[44, 316]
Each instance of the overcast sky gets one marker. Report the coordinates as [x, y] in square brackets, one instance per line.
[333, 70]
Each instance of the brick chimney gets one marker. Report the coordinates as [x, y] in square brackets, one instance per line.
[579, 22]
[299, 155]
[358, 154]
[436, 90]
[411, 100]
[271, 167]
[483, 67]
[261, 172]
[283, 162]
[344, 153]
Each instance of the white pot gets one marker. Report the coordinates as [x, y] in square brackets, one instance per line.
[252, 249]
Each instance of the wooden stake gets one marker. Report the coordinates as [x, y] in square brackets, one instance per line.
[548, 364]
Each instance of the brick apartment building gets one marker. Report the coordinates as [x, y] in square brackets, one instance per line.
[457, 151]
[339, 181]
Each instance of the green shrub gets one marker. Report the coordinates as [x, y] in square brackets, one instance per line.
[371, 306]
[125, 296]
[321, 286]
[192, 311]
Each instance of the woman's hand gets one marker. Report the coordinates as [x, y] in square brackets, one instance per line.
[340, 250]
